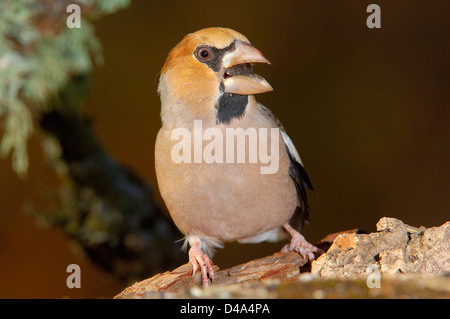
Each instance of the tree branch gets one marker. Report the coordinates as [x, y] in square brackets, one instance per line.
[110, 210]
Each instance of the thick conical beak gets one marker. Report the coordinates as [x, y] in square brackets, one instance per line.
[244, 83]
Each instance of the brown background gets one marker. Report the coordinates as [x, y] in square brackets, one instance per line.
[367, 109]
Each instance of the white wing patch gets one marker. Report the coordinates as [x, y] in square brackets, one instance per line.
[291, 147]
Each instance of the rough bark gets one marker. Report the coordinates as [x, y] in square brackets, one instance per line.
[394, 248]
[397, 261]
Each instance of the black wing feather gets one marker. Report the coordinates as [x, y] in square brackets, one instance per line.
[296, 171]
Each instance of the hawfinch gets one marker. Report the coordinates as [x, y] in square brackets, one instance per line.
[212, 158]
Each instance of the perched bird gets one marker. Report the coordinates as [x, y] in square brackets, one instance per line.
[208, 78]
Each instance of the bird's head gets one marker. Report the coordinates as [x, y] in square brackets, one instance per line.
[208, 68]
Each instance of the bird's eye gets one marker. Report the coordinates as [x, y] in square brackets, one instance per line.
[204, 53]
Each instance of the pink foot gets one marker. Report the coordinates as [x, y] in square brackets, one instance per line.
[199, 259]
[300, 244]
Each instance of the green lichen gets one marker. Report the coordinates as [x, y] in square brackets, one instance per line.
[35, 64]
[111, 6]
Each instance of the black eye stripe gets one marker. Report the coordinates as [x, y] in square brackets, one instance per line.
[216, 55]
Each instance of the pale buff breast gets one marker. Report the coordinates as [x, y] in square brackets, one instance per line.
[226, 201]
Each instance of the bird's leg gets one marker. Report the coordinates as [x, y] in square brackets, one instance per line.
[300, 244]
[198, 258]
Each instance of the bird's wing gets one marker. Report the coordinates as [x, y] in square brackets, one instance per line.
[296, 169]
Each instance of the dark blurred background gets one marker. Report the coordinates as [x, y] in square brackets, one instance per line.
[368, 110]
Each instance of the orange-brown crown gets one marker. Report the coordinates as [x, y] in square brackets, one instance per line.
[217, 37]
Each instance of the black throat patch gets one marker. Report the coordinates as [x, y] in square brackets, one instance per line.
[230, 106]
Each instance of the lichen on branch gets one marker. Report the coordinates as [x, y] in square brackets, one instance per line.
[38, 55]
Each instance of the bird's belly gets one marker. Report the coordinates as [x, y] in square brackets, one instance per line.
[226, 201]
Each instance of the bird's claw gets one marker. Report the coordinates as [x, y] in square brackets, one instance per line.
[300, 245]
[199, 259]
